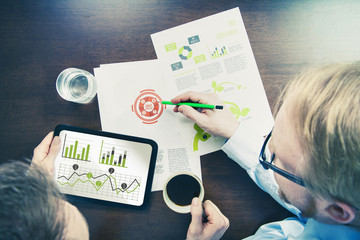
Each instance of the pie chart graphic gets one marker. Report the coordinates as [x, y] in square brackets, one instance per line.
[185, 53]
[148, 107]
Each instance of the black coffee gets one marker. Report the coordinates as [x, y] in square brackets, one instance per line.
[181, 189]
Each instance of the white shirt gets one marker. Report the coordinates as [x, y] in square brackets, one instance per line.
[244, 148]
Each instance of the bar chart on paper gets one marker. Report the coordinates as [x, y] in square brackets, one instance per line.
[76, 149]
[113, 155]
[218, 52]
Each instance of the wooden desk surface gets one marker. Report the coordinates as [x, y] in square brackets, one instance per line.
[38, 39]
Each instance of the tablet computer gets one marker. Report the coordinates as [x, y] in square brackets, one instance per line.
[105, 166]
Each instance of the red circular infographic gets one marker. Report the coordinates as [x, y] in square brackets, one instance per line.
[148, 107]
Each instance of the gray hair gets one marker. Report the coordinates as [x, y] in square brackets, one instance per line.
[30, 203]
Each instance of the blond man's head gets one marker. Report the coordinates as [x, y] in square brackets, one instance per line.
[327, 107]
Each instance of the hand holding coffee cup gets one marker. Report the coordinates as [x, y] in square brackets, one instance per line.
[180, 189]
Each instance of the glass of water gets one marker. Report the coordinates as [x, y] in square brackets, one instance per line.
[76, 85]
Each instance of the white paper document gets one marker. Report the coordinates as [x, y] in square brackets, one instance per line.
[210, 55]
[213, 54]
[129, 96]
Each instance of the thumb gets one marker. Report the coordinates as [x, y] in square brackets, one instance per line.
[191, 113]
[50, 158]
[55, 147]
[196, 216]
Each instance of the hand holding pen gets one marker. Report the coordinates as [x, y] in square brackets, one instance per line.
[195, 105]
[221, 123]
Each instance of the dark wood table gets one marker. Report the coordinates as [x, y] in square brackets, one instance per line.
[38, 39]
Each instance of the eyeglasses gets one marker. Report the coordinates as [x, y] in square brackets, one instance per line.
[267, 162]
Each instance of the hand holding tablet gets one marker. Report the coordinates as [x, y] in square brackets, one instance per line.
[105, 166]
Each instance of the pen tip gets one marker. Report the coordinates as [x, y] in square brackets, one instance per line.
[219, 107]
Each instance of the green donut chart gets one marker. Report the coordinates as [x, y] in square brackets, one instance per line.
[183, 54]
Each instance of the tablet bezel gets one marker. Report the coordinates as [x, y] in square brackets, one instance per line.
[152, 163]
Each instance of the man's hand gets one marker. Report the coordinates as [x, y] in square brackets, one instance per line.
[211, 228]
[218, 122]
[45, 153]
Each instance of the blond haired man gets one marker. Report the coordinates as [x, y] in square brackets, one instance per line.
[309, 163]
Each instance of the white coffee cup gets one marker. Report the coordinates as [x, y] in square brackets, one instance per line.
[180, 189]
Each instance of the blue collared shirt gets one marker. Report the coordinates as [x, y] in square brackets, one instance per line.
[244, 148]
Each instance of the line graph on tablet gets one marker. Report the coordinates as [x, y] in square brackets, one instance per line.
[104, 166]
[95, 181]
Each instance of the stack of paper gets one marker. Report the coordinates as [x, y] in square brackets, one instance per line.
[211, 55]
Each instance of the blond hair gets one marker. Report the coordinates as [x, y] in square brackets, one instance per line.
[327, 109]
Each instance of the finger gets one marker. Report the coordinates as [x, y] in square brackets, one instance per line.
[215, 215]
[44, 145]
[41, 151]
[191, 113]
[49, 161]
[54, 148]
[188, 96]
[176, 109]
[195, 227]
[47, 139]
[210, 207]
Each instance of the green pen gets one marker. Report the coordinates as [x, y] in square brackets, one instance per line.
[196, 105]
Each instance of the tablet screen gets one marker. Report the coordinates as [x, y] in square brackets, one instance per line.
[104, 166]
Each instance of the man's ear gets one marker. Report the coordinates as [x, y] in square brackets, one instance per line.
[341, 212]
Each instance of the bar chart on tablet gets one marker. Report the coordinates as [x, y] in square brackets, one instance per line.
[103, 166]
[113, 155]
[76, 149]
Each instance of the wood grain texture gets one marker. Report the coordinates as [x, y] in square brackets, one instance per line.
[38, 39]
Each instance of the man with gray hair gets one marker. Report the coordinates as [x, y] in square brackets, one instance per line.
[31, 206]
